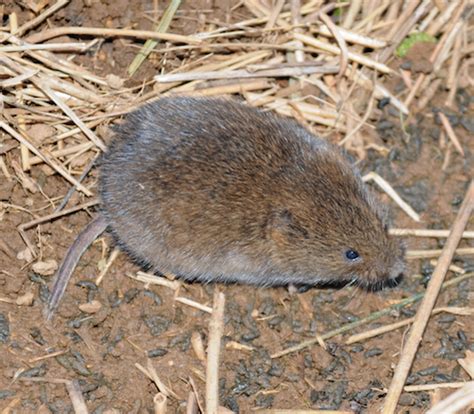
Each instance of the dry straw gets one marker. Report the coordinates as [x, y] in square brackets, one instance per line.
[292, 57]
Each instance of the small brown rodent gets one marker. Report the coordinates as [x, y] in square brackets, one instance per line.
[215, 190]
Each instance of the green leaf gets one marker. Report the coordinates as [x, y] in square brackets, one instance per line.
[409, 41]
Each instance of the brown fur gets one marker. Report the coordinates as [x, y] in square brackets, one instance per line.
[215, 190]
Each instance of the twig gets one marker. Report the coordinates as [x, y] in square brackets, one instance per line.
[356, 57]
[44, 86]
[150, 372]
[282, 72]
[427, 254]
[362, 122]
[384, 185]
[216, 327]
[456, 401]
[430, 387]
[388, 328]
[48, 160]
[102, 32]
[160, 403]
[451, 134]
[109, 263]
[193, 304]
[73, 149]
[351, 13]
[468, 363]
[340, 41]
[274, 14]
[424, 311]
[231, 88]
[194, 388]
[380, 91]
[43, 16]
[155, 280]
[25, 226]
[198, 345]
[353, 37]
[52, 47]
[298, 55]
[76, 397]
[453, 72]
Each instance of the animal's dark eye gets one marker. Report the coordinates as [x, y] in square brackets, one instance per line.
[352, 254]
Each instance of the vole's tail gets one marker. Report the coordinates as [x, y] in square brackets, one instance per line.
[69, 263]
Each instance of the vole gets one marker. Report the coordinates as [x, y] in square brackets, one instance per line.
[214, 190]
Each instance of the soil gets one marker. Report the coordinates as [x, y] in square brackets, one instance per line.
[100, 350]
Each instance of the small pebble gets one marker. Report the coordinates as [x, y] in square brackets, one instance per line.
[4, 328]
[35, 278]
[154, 296]
[45, 268]
[91, 307]
[468, 123]
[412, 379]
[458, 345]
[231, 403]
[406, 65]
[385, 124]
[440, 353]
[383, 103]
[264, 401]
[456, 373]
[114, 299]
[37, 337]
[276, 370]
[293, 378]
[454, 356]
[275, 321]
[74, 363]
[157, 324]
[250, 336]
[76, 323]
[157, 352]
[87, 284]
[130, 295]
[462, 336]
[297, 326]
[442, 378]
[6, 394]
[428, 371]
[373, 352]
[44, 293]
[446, 319]
[357, 348]
[463, 99]
[407, 399]
[39, 371]
[183, 342]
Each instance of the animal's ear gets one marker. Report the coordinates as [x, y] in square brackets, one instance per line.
[283, 227]
[278, 225]
[382, 210]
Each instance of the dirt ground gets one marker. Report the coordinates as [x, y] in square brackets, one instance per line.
[100, 350]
